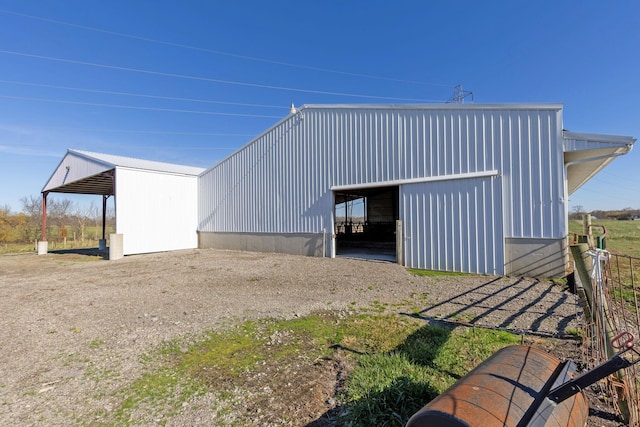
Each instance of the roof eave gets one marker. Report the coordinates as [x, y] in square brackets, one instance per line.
[583, 164]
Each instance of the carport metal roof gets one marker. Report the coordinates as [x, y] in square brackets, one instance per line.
[101, 183]
[85, 172]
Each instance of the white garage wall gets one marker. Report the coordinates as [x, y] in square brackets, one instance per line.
[156, 211]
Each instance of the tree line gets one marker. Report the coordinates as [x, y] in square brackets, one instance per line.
[578, 211]
[65, 220]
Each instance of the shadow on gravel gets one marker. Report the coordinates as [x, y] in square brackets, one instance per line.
[394, 403]
[515, 306]
[81, 251]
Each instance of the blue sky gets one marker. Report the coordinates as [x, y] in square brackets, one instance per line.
[190, 82]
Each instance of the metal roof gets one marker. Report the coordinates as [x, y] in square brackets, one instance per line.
[85, 172]
[134, 163]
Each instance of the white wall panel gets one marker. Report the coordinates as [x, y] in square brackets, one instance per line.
[156, 211]
[454, 225]
[74, 167]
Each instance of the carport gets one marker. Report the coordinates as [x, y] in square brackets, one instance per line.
[101, 184]
[155, 202]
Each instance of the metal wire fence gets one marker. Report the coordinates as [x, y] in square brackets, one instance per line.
[614, 309]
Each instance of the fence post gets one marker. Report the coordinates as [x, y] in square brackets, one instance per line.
[594, 302]
[583, 265]
[586, 223]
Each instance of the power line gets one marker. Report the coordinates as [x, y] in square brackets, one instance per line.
[615, 185]
[134, 131]
[158, 132]
[129, 146]
[607, 173]
[208, 79]
[109, 92]
[131, 107]
[218, 52]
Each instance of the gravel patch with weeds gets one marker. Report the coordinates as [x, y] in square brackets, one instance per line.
[76, 330]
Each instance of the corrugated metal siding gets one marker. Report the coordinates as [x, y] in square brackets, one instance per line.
[277, 184]
[532, 166]
[156, 211]
[280, 182]
[454, 225]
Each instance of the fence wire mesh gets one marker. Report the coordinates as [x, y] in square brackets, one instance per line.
[615, 309]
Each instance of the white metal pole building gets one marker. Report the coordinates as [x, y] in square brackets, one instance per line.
[477, 188]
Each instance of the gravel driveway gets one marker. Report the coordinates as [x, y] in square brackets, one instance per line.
[68, 319]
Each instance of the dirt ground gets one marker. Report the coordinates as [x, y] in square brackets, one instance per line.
[69, 317]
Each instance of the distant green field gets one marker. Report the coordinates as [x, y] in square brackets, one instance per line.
[623, 237]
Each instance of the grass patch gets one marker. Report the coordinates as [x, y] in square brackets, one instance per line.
[387, 388]
[576, 333]
[159, 395]
[383, 366]
[622, 239]
[13, 248]
[96, 343]
[224, 356]
[435, 273]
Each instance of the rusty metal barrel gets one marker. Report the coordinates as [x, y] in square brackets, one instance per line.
[510, 388]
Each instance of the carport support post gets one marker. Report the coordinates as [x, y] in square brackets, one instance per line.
[102, 244]
[104, 215]
[43, 246]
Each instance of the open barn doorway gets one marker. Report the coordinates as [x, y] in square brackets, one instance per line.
[365, 221]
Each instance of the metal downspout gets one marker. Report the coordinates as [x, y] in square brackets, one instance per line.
[590, 159]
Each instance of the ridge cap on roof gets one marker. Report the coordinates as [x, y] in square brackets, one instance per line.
[144, 164]
[448, 106]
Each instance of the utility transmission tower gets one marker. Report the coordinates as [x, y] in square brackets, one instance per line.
[459, 95]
